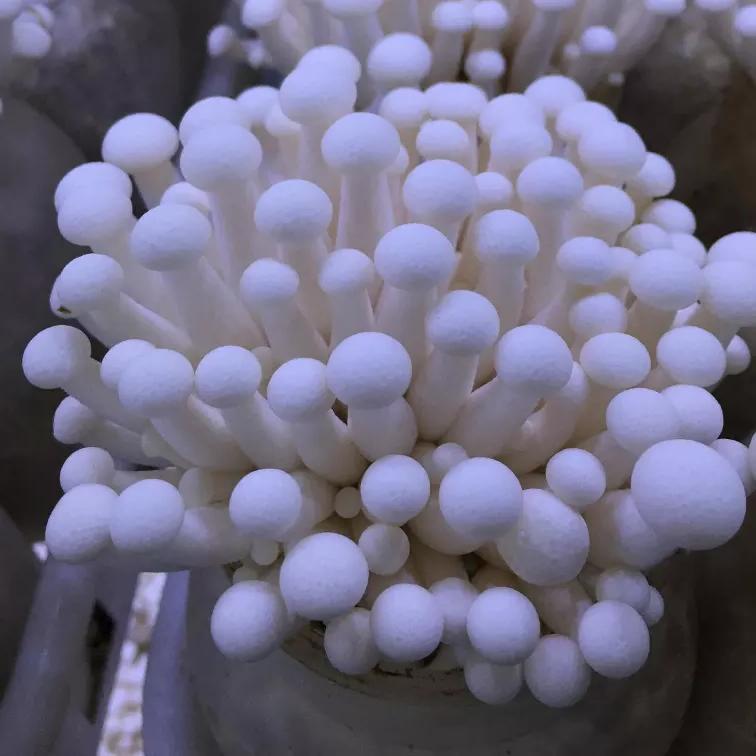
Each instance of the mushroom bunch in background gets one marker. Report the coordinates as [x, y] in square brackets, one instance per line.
[436, 377]
[24, 35]
[497, 45]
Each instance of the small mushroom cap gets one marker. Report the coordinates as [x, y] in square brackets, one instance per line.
[146, 517]
[664, 279]
[516, 144]
[689, 494]
[656, 178]
[556, 673]
[94, 215]
[398, 60]
[505, 236]
[454, 597]
[654, 610]
[574, 120]
[737, 455]
[118, 358]
[347, 503]
[369, 370]
[140, 141]
[692, 355]
[293, 211]
[360, 143]
[625, 585]
[480, 498]
[156, 383]
[452, 17]
[533, 358]
[87, 465]
[348, 643]
[405, 107]
[639, 418]
[9, 9]
[598, 41]
[307, 96]
[298, 391]
[738, 355]
[249, 620]
[555, 93]
[257, 14]
[494, 191]
[89, 175]
[597, 313]
[268, 282]
[490, 14]
[72, 420]
[456, 101]
[607, 208]
[332, 58]
[256, 103]
[737, 247]
[612, 150]
[266, 504]
[512, 108]
[643, 237]
[221, 156]
[170, 237]
[209, 112]
[585, 260]
[394, 489]
[503, 626]
[613, 639]
[183, 193]
[729, 292]
[346, 270]
[323, 576]
[463, 323]
[700, 415]
[671, 215]
[485, 65]
[443, 139]
[615, 360]
[576, 477]
[414, 257]
[689, 247]
[440, 190]
[492, 684]
[386, 548]
[431, 528]
[407, 623]
[550, 182]
[228, 376]
[89, 282]
[55, 356]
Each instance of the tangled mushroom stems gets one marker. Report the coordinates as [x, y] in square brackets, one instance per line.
[441, 384]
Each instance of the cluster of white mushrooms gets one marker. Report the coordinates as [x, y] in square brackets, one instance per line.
[498, 45]
[435, 377]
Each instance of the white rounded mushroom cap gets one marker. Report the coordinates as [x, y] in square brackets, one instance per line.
[94, 215]
[89, 282]
[328, 58]
[386, 548]
[394, 489]
[485, 65]
[481, 498]
[574, 120]
[664, 279]
[79, 527]
[736, 454]
[463, 323]
[612, 150]
[256, 102]
[576, 477]
[729, 292]
[656, 178]
[170, 237]
[455, 100]
[407, 623]
[54, 356]
[157, 382]
[266, 504]
[360, 143]
[700, 415]
[184, 193]
[310, 97]
[598, 41]
[119, 357]
[398, 60]
[90, 176]
[140, 141]
[556, 673]
[268, 282]
[615, 360]
[738, 355]
[347, 503]
[555, 93]
[505, 236]
[516, 144]
[736, 247]
[493, 684]
[221, 156]
[87, 465]
[689, 247]
[146, 517]
[625, 585]
[503, 626]
[430, 527]
[510, 107]
[298, 391]
[597, 313]
[405, 107]
[692, 355]
[414, 257]
[643, 237]
[689, 494]
[454, 597]
[639, 418]
[348, 643]
[293, 211]
[671, 215]
[609, 210]
[249, 621]
[452, 17]
[613, 639]
[494, 191]
[9, 9]
[72, 421]
[323, 576]
[440, 190]
[227, 376]
[585, 260]
[369, 370]
[533, 358]
[654, 610]
[549, 544]
[443, 139]
[346, 270]
[209, 112]
[551, 182]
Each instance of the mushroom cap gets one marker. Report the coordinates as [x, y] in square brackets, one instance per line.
[550, 182]
[157, 382]
[643, 237]
[79, 527]
[170, 237]
[398, 60]
[89, 175]
[94, 215]
[689, 494]
[146, 517]
[463, 323]
[228, 376]
[394, 489]
[700, 415]
[516, 144]
[639, 418]
[443, 139]
[505, 236]
[360, 143]
[612, 150]
[386, 548]
[56, 355]
[454, 596]
[533, 358]
[729, 292]
[737, 247]
[307, 96]
[576, 477]
[268, 282]
[656, 178]
[598, 41]
[220, 156]
[369, 370]
[140, 141]
[485, 65]
[456, 101]
[184, 193]
[689, 247]
[585, 260]
[452, 17]
[405, 107]
[347, 503]
[330, 58]
[256, 102]
[72, 421]
[692, 355]
[492, 684]
[672, 215]
[574, 120]
[654, 610]
[615, 360]
[323, 576]
[509, 108]
[89, 282]
[737, 454]
[481, 498]
[293, 211]
[555, 93]
[738, 355]
[597, 313]
[209, 112]
[431, 528]
[346, 270]
[490, 14]
[407, 623]
[87, 465]
[494, 191]
[607, 208]
[503, 626]
[625, 585]
[118, 358]
[440, 190]
[414, 257]
[266, 504]
[348, 643]
[257, 14]
[298, 392]
[556, 673]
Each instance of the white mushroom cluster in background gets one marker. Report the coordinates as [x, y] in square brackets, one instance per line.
[497, 45]
[438, 378]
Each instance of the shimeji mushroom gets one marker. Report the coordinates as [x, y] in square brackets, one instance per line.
[431, 384]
